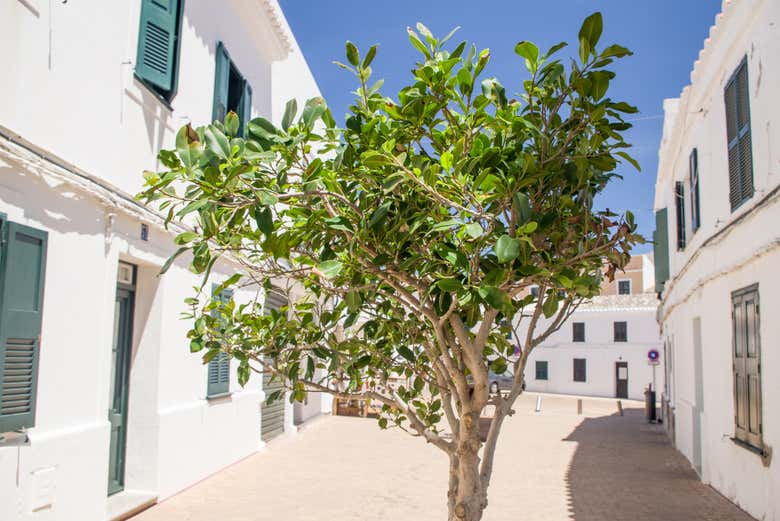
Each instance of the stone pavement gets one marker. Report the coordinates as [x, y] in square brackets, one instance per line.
[550, 466]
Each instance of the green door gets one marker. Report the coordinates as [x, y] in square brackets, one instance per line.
[120, 369]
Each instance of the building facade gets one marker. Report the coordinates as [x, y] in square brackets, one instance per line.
[602, 350]
[103, 409]
[717, 254]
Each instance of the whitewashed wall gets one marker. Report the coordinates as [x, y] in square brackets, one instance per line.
[730, 251]
[73, 98]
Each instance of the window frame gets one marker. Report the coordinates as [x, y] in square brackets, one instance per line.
[693, 180]
[546, 370]
[615, 331]
[165, 97]
[584, 362]
[679, 206]
[630, 288]
[743, 435]
[740, 133]
[574, 336]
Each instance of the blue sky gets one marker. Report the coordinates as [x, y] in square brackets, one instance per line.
[665, 35]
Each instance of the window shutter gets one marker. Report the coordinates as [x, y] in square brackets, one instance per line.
[580, 371]
[747, 366]
[246, 107]
[22, 274]
[620, 331]
[541, 370]
[679, 203]
[156, 59]
[693, 165]
[738, 135]
[219, 366]
[578, 331]
[221, 83]
[661, 249]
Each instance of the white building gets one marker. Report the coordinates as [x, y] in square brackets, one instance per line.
[717, 256]
[602, 350]
[95, 367]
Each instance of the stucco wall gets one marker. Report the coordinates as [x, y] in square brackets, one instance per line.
[730, 251]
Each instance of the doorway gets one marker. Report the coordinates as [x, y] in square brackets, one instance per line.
[120, 370]
[621, 380]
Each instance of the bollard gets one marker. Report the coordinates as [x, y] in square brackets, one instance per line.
[620, 407]
[579, 405]
[538, 403]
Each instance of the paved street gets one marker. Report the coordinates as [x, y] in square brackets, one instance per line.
[551, 466]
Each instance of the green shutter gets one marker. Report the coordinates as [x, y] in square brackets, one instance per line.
[219, 366]
[22, 269]
[246, 107]
[157, 42]
[221, 84]
[661, 249]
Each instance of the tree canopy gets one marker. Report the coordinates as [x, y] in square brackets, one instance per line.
[407, 240]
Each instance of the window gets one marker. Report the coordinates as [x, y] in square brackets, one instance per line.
[578, 332]
[535, 291]
[693, 164]
[661, 249]
[738, 137]
[747, 366]
[219, 366]
[580, 370]
[679, 203]
[22, 279]
[231, 91]
[624, 287]
[621, 331]
[157, 59]
[541, 370]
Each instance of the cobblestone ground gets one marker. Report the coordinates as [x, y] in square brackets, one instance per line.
[550, 466]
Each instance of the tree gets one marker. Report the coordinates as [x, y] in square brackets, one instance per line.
[407, 240]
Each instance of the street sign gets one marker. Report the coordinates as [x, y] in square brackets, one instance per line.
[653, 357]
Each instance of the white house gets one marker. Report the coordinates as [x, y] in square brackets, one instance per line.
[602, 350]
[103, 409]
[717, 255]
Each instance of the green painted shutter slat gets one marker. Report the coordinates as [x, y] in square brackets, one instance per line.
[221, 83]
[661, 249]
[738, 136]
[22, 274]
[246, 107]
[219, 366]
[157, 42]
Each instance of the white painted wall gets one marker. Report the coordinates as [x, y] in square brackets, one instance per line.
[730, 251]
[73, 99]
[599, 349]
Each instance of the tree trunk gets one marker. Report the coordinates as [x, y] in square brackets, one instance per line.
[466, 500]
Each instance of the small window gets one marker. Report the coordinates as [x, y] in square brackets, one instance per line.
[694, 186]
[535, 291]
[679, 203]
[232, 93]
[624, 287]
[157, 59]
[578, 332]
[580, 370]
[736, 98]
[621, 331]
[748, 418]
[541, 370]
[219, 366]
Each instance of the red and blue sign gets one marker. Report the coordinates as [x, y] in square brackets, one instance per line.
[653, 355]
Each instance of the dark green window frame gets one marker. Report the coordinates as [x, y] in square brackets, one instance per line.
[159, 45]
[693, 167]
[620, 331]
[679, 205]
[218, 373]
[738, 136]
[22, 280]
[578, 331]
[580, 366]
[232, 91]
[542, 370]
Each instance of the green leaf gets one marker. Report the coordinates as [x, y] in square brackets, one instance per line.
[615, 51]
[474, 230]
[232, 123]
[507, 248]
[417, 43]
[264, 220]
[353, 56]
[449, 285]
[330, 268]
[550, 304]
[267, 198]
[369, 56]
[444, 225]
[630, 159]
[217, 142]
[314, 109]
[589, 35]
[172, 258]
[290, 110]
[426, 33]
[406, 352]
[379, 215]
[185, 237]
[446, 160]
[496, 298]
[522, 206]
[530, 52]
